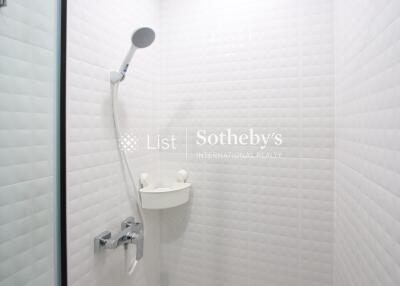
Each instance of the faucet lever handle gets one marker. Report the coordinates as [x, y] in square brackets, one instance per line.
[139, 247]
[137, 238]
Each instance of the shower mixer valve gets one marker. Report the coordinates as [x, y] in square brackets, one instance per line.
[131, 233]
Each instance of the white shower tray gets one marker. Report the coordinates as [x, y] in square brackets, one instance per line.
[165, 197]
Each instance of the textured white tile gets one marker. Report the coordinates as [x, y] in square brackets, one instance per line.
[98, 37]
[27, 92]
[367, 143]
[260, 64]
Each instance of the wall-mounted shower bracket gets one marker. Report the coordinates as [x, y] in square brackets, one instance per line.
[3, 3]
[131, 232]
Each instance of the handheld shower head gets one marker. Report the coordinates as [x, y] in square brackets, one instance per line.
[141, 38]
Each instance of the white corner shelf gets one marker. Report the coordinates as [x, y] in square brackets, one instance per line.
[158, 198]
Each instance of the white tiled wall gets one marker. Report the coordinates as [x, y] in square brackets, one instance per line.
[27, 93]
[266, 65]
[99, 35]
[243, 64]
[367, 143]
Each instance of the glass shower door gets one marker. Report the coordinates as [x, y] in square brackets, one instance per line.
[28, 184]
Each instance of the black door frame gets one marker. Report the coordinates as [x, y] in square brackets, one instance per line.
[62, 270]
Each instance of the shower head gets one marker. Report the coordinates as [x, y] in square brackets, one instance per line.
[141, 38]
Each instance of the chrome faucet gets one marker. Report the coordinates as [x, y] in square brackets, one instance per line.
[131, 233]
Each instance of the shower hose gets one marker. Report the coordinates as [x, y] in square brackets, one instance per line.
[125, 163]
